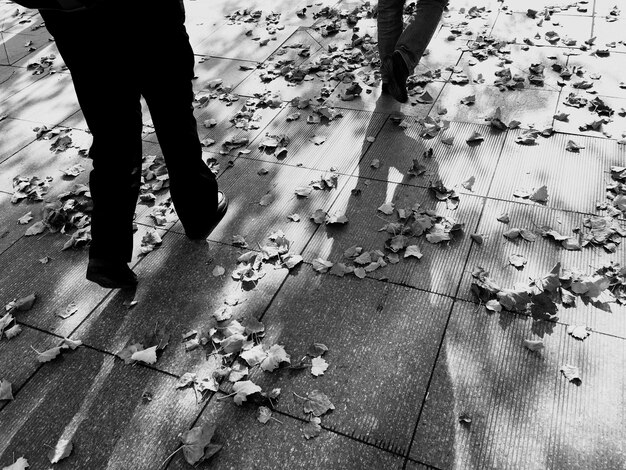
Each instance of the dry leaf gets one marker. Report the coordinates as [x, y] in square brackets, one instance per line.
[19, 464]
[147, 356]
[264, 414]
[62, 450]
[387, 208]
[571, 373]
[518, 261]
[317, 403]
[197, 444]
[413, 250]
[312, 428]
[578, 331]
[6, 392]
[218, 271]
[533, 345]
[49, 354]
[35, 229]
[318, 366]
[317, 349]
[243, 389]
[266, 200]
[25, 219]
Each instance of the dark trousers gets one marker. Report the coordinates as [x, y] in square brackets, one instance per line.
[116, 53]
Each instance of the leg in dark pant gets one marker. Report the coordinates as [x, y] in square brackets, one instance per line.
[103, 70]
[169, 94]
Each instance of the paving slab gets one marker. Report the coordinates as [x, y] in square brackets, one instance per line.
[443, 51]
[523, 411]
[249, 445]
[530, 107]
[395, 148]
[518, 59]
[437, 271]
[517, 27]
[378, 102]
[609, 33]
[49, 101]
[602, 72]
[615, 127]
[37, 159]
[382, 341]
[541, 255]
[243, 41]
[246, 217]
[10, 230]
[19, 46]
[232, 72]
[104, 413]
[575, 181]
[178, 292]
[17, 134]
[19, 360]
[57, 284]
[14, 79]
[17, 16]
[344, 136]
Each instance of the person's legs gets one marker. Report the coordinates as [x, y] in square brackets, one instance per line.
[103, 72]
[417, 35]
[389, 26]
[169, 95]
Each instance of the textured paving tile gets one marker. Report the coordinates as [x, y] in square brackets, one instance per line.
[615, 128]
[518, 59]
[245, 189]
[384, 103]
[14, 79]
[518, 26]
[57, 284]
[606, 71]
[575, 181]
[382, 341]
[178, 292]
[524, 413]
[237, 41]
[16, 134]
[607, 32]
[36, 159]
[439, 269]
[96, 401]
[250, 445]
[395, 147]
[16, 16]
[228, 70]
[542, 256]
[530, 107]
[10, 231]
[346, 139]
[19, 46]
[19, 360]
[49, 101]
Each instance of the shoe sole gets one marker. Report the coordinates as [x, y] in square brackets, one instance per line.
[108, 284]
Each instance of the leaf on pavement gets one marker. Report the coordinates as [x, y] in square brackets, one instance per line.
[540, 195]
[318, 366]
[413, 250]
[243, 389]
[275, 355]
[6, 393]
[533, 345]
[317, 349]
[35, 229]
[197, 443]
[571, 373]
[578, 331]
[147, 356]
[49, 354]
[317, 403]
[312, 428]
[266, 200]
[19, 464]
[387, 208]
[469, 183]
[319, 216]
[518, 261]
[322, 265]
[25, 219]
[572, 146]
[62, 450]
[264, 414]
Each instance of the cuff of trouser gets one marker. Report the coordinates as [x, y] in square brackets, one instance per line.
[410, 67]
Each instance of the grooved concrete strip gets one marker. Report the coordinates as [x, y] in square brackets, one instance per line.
[523, 411]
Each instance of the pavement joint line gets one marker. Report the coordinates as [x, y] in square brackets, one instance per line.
[430, 379]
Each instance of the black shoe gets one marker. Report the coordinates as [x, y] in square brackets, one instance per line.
[397, 72]
[111, 274]
[222, 207]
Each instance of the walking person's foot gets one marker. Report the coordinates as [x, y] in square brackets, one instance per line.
[222, 207]
[111, 274]
[397, 72]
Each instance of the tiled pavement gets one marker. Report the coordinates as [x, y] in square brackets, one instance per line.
[421, 376]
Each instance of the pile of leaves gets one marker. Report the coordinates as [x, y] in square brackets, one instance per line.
[616, 193]
[540, 297]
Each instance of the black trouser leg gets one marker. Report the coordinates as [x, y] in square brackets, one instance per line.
[169, 94]
[104, 71]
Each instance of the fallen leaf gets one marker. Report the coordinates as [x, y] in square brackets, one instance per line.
[493, 305]
[317, 403]
[264, 414]
[322, 265]
[478, 239]
[413, 250]
[318, 139]
[266, 200]
[318, 366]
[572, 146]
[25, 219]
[533, 345]
[275, 355]
[6, 392]
[518, 261]
[35, 229]
[303, 191]
[469, 183]
[71, 344]
[49, 354]
[147, 356]
[312, 428]
[571, 373]
[19, 464]
[317, 349]
[62, 450]
[475, 138]
[197, 443]
[319, 216]
[540, 195]
[243, 389]
[218, 271]
[13, 331]
[578, 331]
[387, 208]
